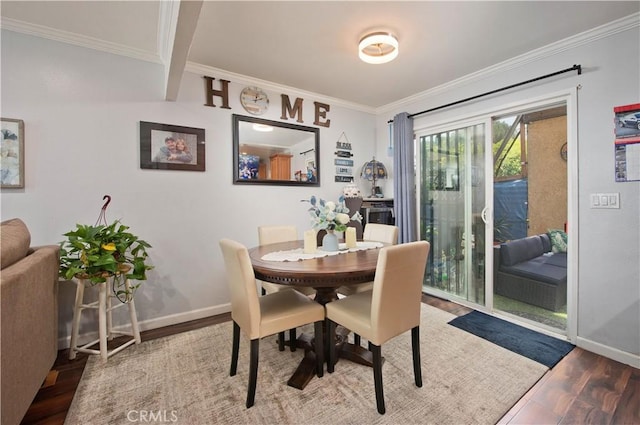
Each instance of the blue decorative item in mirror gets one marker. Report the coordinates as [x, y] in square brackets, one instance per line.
[248, 167]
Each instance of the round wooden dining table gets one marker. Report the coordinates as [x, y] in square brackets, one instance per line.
[325, 275]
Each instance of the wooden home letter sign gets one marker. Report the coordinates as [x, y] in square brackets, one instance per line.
[210, 92]
[288, 110]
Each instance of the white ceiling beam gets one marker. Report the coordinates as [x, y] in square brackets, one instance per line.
[176, 27]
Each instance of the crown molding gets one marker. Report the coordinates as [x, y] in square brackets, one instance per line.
[586, 37]
[209, 71]
[164, 45]
[77, 40]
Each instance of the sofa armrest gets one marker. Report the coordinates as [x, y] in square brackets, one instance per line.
[16, 240]
[29, 328]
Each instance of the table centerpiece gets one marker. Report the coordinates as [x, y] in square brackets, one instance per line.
[332, 217]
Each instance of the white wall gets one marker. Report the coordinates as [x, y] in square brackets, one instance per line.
[608, 280]
[82, 110]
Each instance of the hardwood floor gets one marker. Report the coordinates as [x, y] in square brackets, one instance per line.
[52, 402]
[583, 388]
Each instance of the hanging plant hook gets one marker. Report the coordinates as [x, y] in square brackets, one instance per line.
[102, 218]
[108, 198]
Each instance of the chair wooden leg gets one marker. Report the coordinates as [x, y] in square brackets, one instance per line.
[253, 371]
[415, 346]
[264, 291]
[235, 347]
[377, 377]
[319, 348]
[281, 341]
[331, 342]
[292, 339]
[356, 339]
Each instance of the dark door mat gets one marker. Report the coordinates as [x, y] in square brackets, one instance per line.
[534, 345]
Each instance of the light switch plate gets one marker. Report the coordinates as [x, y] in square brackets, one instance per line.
[605, 200]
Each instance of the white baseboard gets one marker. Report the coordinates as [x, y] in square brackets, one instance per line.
[158, 322]
[174, 319]
[609, 352]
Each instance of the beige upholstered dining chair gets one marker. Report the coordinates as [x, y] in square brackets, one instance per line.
[372, 232]
[378, 233]
[276, 234]
[354, 205]
[390, 309]
[258, 317]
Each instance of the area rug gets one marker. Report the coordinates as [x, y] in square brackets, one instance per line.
[534, 345]
[184, 379]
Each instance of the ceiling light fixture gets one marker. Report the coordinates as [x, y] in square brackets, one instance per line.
[262, 127]
[378, 47]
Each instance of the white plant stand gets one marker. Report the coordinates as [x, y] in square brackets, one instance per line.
[105, 322]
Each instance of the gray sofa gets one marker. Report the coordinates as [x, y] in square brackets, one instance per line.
[29, 317]
[526, 270]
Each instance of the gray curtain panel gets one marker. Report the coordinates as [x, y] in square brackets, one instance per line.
[404, 188]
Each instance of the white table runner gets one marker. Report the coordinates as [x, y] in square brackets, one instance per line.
[298, 253]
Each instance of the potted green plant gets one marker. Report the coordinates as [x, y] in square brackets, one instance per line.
[98, 253]
[501, 230]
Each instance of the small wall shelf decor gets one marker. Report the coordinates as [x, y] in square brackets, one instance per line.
[344, 167]
[345, 162]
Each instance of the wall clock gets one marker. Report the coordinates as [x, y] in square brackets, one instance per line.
[254, 100]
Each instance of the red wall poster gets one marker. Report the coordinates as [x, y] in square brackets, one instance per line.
[627, 142]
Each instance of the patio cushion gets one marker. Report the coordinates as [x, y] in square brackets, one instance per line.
[520, 250]
[539, 271]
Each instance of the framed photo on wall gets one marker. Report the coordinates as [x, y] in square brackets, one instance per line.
[171, 147]
[12, 150]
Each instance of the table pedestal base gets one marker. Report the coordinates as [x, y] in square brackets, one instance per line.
[307, 368]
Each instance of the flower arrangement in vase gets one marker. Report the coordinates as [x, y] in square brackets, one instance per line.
[330, 216]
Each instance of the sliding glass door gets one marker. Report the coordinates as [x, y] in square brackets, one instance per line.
[492, 182]
[530, 193]
[451, 167]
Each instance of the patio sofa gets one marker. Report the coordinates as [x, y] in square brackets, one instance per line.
[29, 317]
[527, 270]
